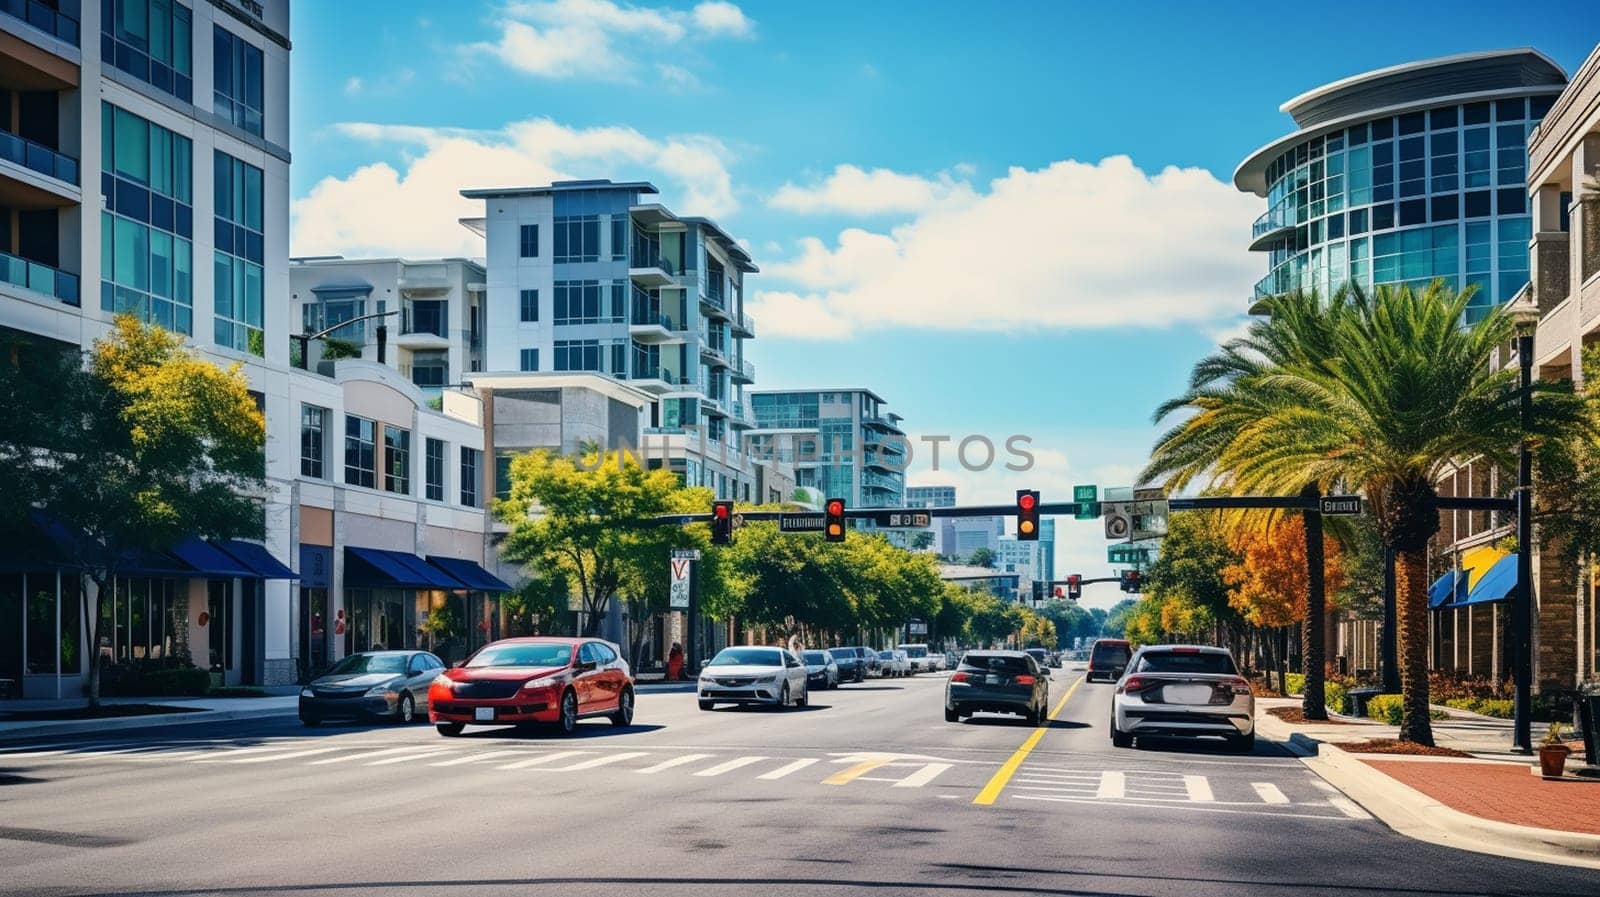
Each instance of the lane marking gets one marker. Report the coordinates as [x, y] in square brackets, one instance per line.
[366, 755]
[1348, 807]
[1113, 785]
[997, 782]
[267, 758]
[729, 766]
[668, 764]
[541, 759]
[1183, 806]
[1269, 792]
[846, 776]
[407, 758]
[787, 768]
[923, 776]
[1198, 788]
[598, 761]
[473, 758]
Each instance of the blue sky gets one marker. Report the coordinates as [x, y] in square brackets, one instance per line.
[1007, 219]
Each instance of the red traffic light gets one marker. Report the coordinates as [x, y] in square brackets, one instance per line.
[836, 507]
[721, 510]
[1026, 501]
[1074, 579]
[1058, 591]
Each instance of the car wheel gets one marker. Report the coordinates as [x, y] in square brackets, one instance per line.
[310, 721]
[407, 711]
[450, 730]
[1119, 738]
[707, 705]
[624, 714]
[567, 720]
[783, 696]
[860, 677]
[805, 697]
[951, 716]
[1244, 744]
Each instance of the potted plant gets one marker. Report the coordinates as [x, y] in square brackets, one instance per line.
[1553, 753]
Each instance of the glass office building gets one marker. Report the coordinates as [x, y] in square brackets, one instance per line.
[1404, 175]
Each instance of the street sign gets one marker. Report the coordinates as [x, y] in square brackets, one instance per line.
[917, 627]
[902, 519]
[1118, 517]
[1127, 554]
[1081, 494]
[692, 554]
[678, 596]
[1148, 518]
[1340, 505]
[802, 523]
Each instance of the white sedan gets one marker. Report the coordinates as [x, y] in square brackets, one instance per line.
[893, 664]
[1183, 691]
[770, 676]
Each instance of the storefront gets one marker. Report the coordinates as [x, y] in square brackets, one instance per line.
[394, 599]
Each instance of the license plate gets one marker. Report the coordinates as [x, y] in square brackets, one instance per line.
[483, 714]
[1186, 694]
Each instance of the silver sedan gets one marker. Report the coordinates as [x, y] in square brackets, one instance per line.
[770, 676]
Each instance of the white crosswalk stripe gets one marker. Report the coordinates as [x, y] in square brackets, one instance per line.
[475, 757]
[605, 760]
[407, 758]
[786, 769]
[1113, 785]
[292, 755]
[729, 766]
[541, 760]
[665, 765]
[1270, 793]
[1198, 789]
[367, 755]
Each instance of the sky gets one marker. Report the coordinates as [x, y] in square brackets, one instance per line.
[1009, 219]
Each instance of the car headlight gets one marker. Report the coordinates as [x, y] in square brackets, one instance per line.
[380, 690]
[306, 693]
[767, 680]
[444, 682]
[542, 682]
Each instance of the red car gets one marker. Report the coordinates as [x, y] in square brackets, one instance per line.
[533, 680]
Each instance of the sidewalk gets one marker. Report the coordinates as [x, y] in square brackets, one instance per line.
[1491, 802]
[198, 710]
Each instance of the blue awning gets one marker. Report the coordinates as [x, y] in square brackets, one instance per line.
[1448, 589]
[256, 558]
[469, 572]
[382, 569]
[1496, 585]
[209, 560]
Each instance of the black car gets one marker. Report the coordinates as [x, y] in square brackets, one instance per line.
[821, 672]
[372, 684]
[998, 682]
[1108, 658]
[852, 663]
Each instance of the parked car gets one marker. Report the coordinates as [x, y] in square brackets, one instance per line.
[852, 663]
[998, 682]
[1183, 690]
[1108, 657]
[371, 684]
[937, 662]
[917, 657]
[1041, 657]
[753, 676]
[534, 680]
[893, 664]
[821, 671]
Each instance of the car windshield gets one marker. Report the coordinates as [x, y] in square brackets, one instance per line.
[534, 655]
[757, 657]
[843, 653]
[995, 663]
[816, 658]
[1113, 654]
[1038, 652]
[886, 655]
[369, 663]
[1185, 662]
[914, 650]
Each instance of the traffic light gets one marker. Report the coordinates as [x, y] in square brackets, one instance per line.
[1038, 591]
[722, 523]
[1027, 515]
[1059, 593]
[1132, 581]
[833, 529]
[1074, 587]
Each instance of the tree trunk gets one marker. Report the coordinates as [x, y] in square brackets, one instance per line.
[1411, 634]
[1313, 653]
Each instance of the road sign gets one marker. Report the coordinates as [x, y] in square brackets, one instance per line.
[1148, 518]
[1081, 494]
[1340, 505]
[902, 519]
[1118, 517]
[692, 554]
[1127, 554]
[917, 627]
[802, 523]
[678, 596]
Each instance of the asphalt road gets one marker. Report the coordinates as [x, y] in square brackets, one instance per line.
[866, 791]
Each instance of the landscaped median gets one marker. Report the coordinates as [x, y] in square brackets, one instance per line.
[1472, 794]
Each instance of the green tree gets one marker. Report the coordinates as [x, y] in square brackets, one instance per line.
[981, 557]
[1189, 572]
[1376, 392]
[1116, 621]
[167, 445]
[644, 579]
[1070, 621]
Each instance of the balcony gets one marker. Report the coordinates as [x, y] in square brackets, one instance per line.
[712, 404]
[651, 270]
[882, 423]
[648, 324]
[52, 22]
[39, 278]
[881, 482]
[714, 352]
[744, 325]
[1273, 227]
[714, 305]
[424, 325]
[658, 381]
[743, 372]
[34, 176]
[424, 280]
[740, 416]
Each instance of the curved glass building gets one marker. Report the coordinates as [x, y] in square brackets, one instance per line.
[1403, 175]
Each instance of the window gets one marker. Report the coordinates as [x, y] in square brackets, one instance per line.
[360, 451]
[237, 317]
[577, 355]
[530, 242]
[530, 359]
[151, 40]
[430, 370]
[530, 306]
[471, 463]
[146, 258]
[433, 469]
[236, 322]
[236, 74]
[590, 302]
[396, 460]
[577, 239]
[313, 440]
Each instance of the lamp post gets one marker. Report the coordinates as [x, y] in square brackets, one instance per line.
[1525, 314]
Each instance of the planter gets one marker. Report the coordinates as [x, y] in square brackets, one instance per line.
[1553, 760]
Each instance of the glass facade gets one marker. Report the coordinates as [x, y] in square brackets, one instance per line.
[152, 40]
[146, 253]
[1437, 193]
[237, 314]
[236, 80]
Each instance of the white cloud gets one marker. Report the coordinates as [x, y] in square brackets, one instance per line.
[1070, 245]
[353, 86]
[677, 78]
[600, 39]
[413, 210]
[855, 191]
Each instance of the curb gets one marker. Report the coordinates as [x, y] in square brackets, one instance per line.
[131, 723]
[1416, 815]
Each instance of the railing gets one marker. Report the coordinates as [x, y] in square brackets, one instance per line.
[38, 157]
[39, 277]
[1271, 220]
[646, 311]
[651, 260]
[747, 324]
[747, 369]
[424, 318]
[51, 21]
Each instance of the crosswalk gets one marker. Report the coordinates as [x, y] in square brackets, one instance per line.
[900, 771]
[1179, 790]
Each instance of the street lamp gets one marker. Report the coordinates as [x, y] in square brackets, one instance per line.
[1524, 313]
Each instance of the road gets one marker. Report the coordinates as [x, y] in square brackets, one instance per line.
[866, 791]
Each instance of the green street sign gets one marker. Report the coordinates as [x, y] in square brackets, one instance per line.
[1127, 554]
[1087, 510]
[1081, 494]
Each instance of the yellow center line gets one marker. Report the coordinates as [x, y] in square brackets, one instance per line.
[1003, 775]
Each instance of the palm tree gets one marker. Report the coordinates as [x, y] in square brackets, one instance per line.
[1376, 392]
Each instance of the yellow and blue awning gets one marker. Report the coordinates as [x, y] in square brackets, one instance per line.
[1487, 575]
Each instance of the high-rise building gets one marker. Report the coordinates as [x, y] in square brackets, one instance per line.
[844, 444]
[930, 497]
[592, 276]
[1403, 175]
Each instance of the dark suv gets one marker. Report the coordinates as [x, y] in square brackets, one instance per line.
[1108, 657]
[852, 663]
